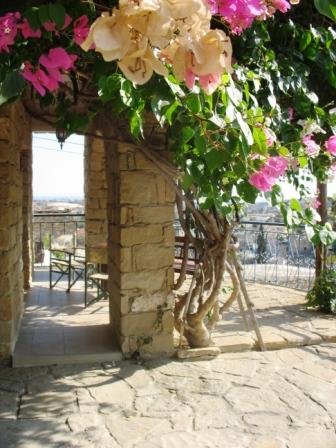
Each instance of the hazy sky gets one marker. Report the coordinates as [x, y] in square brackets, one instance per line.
[59, 172]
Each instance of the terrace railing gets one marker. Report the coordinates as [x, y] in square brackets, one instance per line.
[268, 251]
[54, 225]
[272, 254]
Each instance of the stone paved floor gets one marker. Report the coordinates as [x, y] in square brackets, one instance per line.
[57, 328]
[283, 319]
[276, 399]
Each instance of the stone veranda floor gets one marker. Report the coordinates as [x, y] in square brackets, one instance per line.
[283, 319]
[57, 328]
[275, 399]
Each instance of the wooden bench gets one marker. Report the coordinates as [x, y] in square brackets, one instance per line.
[179, 256]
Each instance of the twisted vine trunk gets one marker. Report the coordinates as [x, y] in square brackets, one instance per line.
[197, 309]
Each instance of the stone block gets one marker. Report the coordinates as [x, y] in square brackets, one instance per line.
[160, 214]
[5, 129]
[8, 217]
[147, 324]
[6, 329]
[152, 256]
[151, 302]
[169, 235]
[166, 192]
[145, 281]
[160, 344]
[130, 236]
[138, 188]
[5, 307]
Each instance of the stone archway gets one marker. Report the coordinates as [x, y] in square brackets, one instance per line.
[128, 203]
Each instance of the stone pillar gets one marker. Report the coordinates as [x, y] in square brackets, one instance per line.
[141, 252]
[95, 201]
[13, 128]
[27, 205]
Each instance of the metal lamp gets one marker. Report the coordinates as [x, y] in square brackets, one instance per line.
[61, 136]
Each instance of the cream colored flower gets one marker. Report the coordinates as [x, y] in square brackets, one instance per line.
[139, 64]
[212, 53]
[181, 9]
[110, 35]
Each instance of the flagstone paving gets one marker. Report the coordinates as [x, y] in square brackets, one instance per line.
[274, 399]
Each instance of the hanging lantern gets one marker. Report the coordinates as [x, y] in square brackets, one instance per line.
[61, 136]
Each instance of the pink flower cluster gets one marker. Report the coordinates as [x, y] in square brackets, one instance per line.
[11, 24]
[240, 14]
[311, 147]
[330, 145]
[264, 179]
[50, 75]
[8, 30]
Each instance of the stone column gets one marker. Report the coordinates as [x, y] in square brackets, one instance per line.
[141, 252]
[95, 201]
[12, 132]
[27, 205]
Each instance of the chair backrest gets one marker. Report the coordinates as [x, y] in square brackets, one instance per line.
[63, 242]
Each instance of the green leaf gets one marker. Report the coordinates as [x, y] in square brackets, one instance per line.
[276, 195]
[32, 16]
[295, 205]
[187, 134]
[43, 14]
[214, 159]
[158, 104]
[126, 92]
[245, 129]
[136, 124]
[194, 103]
[170, 110]
[327, 8]
[247, 192]
[57, 14]
[12, 85]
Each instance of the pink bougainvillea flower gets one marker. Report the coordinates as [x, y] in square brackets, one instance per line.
[58, 58]
[281, 5]
[239, 14]
[67, 21]
[209, 83]
[315, 203]
[40, 80]
[330, 145]
[8, 30]
[267, 176]
[51, 26]
[312, 148]
[27, 31]
[190, 78]
[81, 29]
[275, 166]
[290, 113]
[261, 181]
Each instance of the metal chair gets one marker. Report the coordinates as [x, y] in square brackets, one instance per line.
[66, 261]
[95, 279]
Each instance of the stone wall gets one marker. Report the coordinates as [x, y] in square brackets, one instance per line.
[95, 201]
[14, 140]
[141, 254]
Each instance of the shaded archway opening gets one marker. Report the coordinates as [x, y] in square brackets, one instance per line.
[69, 204]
